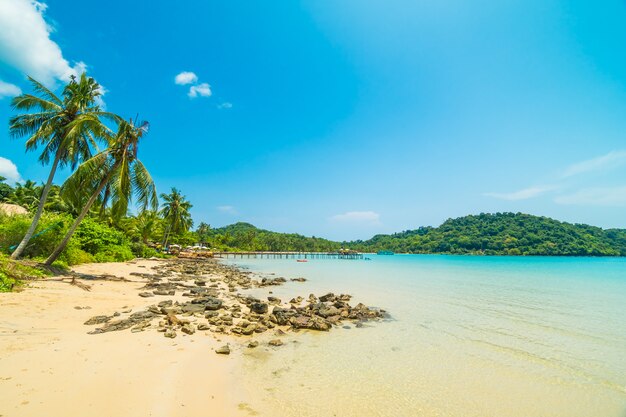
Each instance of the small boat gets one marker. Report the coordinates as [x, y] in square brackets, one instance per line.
[302, 260]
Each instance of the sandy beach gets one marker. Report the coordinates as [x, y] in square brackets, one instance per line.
[50, 365]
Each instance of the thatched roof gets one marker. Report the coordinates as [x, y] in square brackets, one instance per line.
[12, 209]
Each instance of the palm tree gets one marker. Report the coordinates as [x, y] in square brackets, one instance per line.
[66, 127]
[203, 231]
[176, 214]
[118, 168]
[145, 225]
[27, 195]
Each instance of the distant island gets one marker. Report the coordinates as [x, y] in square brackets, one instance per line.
[483, 234]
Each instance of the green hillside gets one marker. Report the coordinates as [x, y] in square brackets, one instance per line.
[246, 237]
[503, 234]
[483, 234]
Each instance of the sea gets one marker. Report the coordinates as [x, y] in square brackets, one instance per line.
[467, 336]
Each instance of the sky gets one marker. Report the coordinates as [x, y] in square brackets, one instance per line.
[344, 119]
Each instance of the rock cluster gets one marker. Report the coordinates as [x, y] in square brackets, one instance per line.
[215, 305]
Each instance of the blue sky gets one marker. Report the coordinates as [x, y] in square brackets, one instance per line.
[348, 118]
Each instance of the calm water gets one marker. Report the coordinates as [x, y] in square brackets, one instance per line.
[470, 336]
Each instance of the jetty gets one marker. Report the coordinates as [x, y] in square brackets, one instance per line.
[291, 255]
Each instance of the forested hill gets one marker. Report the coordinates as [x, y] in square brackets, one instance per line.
[244, 236]
[503, 234]
[488, 234]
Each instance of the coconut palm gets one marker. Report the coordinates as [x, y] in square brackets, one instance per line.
[27, 195]
[176, 214]
[66, 127]
[117, 168]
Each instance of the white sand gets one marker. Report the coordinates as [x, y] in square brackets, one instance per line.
[50, 366]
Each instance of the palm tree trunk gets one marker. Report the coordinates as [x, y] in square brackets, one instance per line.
[42, 201]
[57, 252]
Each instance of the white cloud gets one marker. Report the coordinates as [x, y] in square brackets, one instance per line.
[600, 196]
[9, 90]
[525, 194]
[227, 209]
[357, 217]
[612, 159]
[9, 170]
[186, 77]
[202, 90]
[25, 43]
[225, 105]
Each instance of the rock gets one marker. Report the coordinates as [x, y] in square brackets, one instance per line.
[164, 292]
[200, 282]
[165, 303]
[146, 294]
[253, 344]
[249, 329]
[327, 297]
[203, 326]
[326, 311]
[170, 333]
[259, 308]
[299, 279]
[97, 320]
[224, 350]
[273, 300]
[192, 308]
[188, 329]
[209, 303]
[275, 342]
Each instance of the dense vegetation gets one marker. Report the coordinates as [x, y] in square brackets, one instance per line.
[246, 237]
[503, 234]
[89, 217]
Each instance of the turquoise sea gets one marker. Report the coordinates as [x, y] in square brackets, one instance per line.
[469, 336]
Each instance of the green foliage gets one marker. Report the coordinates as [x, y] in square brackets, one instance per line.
[105, 243]
[503, 234]
[5, 189]
[244, 236]
[13, 273]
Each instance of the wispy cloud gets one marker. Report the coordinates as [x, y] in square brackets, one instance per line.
[600, 196]
[225, 105]
[25, 43]
[186, 77]
[227, 209]
[368, 217]
[525, 194]
[612, 159]
[200, 90]
[9, 90]
[9, 170]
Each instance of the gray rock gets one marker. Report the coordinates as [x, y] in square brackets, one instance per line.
[97, 320]
[224, 350]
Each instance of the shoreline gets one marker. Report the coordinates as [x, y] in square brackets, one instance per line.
[138, 371]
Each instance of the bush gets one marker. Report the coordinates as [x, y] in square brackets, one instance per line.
[73, 255]
[114, 254]
[141, 250]
[6, 283]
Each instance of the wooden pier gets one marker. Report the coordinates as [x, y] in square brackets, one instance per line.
[290, 255]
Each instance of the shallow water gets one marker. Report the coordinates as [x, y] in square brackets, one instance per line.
[470, 337]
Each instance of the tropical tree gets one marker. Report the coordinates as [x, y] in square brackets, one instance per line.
[176, 214]
[5, 189]
[117, 168]
[27, 195]
[203, 232]
[145, 225]
[66, 127]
